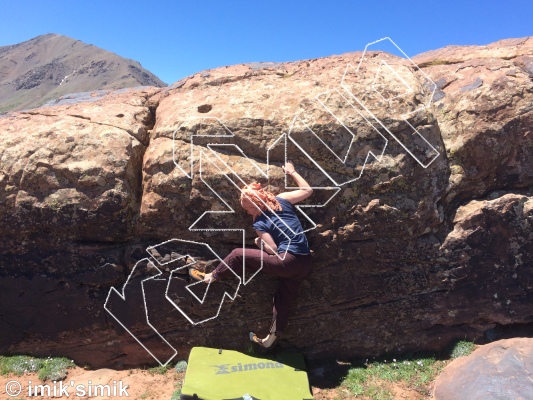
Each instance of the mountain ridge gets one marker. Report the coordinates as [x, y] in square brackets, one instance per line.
[52, 65]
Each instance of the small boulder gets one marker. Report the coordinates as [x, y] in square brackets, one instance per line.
[499, 370]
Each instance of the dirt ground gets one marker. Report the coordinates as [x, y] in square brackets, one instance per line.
[141, 384]
[144, 385]
[399, 391]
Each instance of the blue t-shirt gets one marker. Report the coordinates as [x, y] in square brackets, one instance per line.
[284, 227]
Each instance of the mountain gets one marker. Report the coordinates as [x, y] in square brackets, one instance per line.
[49, 66]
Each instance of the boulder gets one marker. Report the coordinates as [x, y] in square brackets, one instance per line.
[421, 225]
[499, 370]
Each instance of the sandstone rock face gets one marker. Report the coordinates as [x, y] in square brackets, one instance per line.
[431, 240]
[499, 370]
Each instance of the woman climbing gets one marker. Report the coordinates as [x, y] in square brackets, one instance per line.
[286, 256]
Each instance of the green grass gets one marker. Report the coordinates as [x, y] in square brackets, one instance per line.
[161, 370]
[48, 368]
[181, 366]
[462, 348]
[378, 392]
[372, 379]
[177, 393]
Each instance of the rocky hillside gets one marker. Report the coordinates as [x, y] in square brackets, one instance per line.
[422, 234]
[49, 66]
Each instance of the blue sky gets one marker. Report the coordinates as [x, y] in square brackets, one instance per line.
[174, 39]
